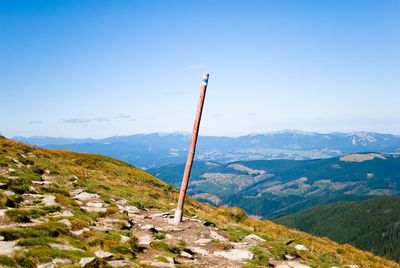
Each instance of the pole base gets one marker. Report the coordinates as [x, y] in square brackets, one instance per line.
[178, 216]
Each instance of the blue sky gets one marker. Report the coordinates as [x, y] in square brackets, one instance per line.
[103, 68]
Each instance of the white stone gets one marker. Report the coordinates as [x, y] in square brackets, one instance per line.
[64, 247]
[157, 264]
[186, 255]
[121, 263]
[49, 200]
[59, 260]
[1, 238]
[46, 265]
[301, 247]
[84, 196]
[8, 193]
[124, 239]
[253, 237]
[41, 182]
[351, 265]
[200, 251]
[168, 236]
[103, 254]
[293, 264]
[215, 235]
[86, 260]
[147, 227]
[79, 232]
[66, 222]
[144, 241]
[235, 254]
[94, 204]
[94, 209]
[66, 213]
[8, 247]
[203, 241]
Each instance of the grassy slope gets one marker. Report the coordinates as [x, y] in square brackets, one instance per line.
[110, 177]
[371, 224]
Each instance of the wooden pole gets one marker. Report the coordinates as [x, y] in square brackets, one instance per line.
[189, 162]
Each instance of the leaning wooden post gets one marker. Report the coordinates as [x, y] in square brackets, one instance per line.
[189, 162]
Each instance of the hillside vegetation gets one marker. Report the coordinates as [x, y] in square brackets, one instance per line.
[273, 187]
[372, 225]
[61, 205]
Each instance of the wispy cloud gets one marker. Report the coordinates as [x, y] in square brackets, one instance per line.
[197, 67]
[101, 119]
[77, 120]
[35, 122]
[122, 116]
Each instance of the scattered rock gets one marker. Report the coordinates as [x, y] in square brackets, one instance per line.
[46, 265]
[79, 232]
[49, 200]
[85, 196]
[1, 238]
[121, 263]
[289, 257]
[253, 238]
[86, 260]
[289, 264]
[103, 254]
[144, 241]
[199, 250]
[8, 247]
[203, 241]
[185, 254]
[124, 239]
[95, 204]
[64, 247]
[40, 183]
[215, 235]
[235, 254]
[94, 209]
[351, 266]
[66, 222]
[8, 193]
[59, 260]
[301, 247]
[66, 213]
[157, 264]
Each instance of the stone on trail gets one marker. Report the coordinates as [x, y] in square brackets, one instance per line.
[157, 264]
[186, 255]
[79, 232]
[203, 241]
[103, 254]
[234, 254]
[199, 250]
[144, 241]
[94, 209]
[289, 264]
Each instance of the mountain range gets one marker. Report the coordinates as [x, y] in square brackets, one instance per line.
[158, 149]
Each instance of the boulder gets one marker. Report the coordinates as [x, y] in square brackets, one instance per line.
[49, 200]
[124, 239]
[235, 254]
[85, 196]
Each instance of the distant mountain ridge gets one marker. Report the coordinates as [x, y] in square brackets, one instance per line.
[158, 149]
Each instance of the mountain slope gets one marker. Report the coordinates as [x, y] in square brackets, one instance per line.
[61, 206]
[158, 149]
[373, 224]
[270, 187]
